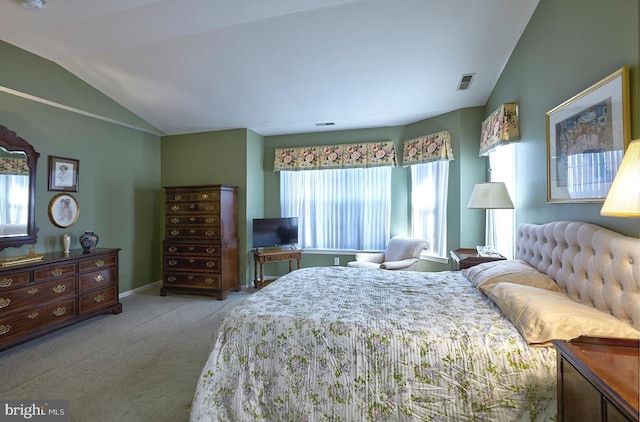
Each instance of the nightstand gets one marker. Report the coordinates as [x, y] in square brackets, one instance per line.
[598, 379]
[467, 258]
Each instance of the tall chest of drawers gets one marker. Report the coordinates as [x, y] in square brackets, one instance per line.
[200, 250]
[39, 297]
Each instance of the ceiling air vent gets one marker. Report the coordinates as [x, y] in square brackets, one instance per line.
[465, 81]
[325, 124]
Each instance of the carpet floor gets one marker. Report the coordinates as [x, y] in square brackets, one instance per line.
[140, 365]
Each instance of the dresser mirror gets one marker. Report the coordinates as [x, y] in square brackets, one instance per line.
[18, 163]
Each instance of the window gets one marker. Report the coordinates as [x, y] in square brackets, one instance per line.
[429, 186]
[502, 235]
[339, 209]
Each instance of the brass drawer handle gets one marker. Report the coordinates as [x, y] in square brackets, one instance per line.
[175, 208]
[172, 249]
[4, 302]
[6, 282]
[99, 278]
[99, 263]
[211, 250]
[171, 279]
[209, 280]
[178, 197]
[192, 206]
[59, 289]
[192, 231]
[57, 272]
[99, 298]
[192, 219]
[209, 207]
[32, 291]
[209, 232]
[210, 220]
[191, 261]
[211, 264]
[60, 311]
[33, 315]
[175, 220]
[205, 196]
[190, 277]
[4, 329]
[191, 248]
[174, 232]
[172, 262]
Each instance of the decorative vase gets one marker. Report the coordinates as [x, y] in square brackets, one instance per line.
[88, 241]
[66, 242]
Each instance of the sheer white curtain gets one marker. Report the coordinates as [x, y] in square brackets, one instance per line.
[429, 187]
[339, 209]
[15, 190]
[501, 224]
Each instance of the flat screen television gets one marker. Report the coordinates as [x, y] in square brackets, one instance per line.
[269, 232]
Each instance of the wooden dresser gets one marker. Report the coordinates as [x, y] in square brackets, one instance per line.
[61, 289]
[598, 379]
[200, 250]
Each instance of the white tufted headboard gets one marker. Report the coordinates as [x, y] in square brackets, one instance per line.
[592, 265]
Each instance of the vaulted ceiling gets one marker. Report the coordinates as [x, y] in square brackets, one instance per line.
[276, 66]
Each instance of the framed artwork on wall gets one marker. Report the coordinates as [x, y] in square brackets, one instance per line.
[63, 210]
[63, 174]
[586, 139]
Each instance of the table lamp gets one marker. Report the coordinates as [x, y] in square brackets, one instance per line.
[623, 199]
[490, 196]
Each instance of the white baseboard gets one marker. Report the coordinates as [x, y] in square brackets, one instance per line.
[139, 289]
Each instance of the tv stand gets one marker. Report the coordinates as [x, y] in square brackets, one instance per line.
[262, 255]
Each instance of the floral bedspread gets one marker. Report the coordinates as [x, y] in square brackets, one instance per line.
[350, 344]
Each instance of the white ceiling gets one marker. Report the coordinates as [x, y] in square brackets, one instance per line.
[276, 66]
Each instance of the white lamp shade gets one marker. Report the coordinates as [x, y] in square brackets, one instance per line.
[490, 195]
[623, 199]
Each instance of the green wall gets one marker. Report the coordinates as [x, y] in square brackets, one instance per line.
[119, 172]
[568, 46]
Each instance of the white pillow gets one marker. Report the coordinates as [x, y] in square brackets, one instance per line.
[511, 271]
[541, 315]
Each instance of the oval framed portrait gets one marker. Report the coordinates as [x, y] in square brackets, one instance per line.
[63, 210]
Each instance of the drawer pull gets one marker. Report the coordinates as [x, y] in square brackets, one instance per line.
[172, 262]
[99, 298]
[192, 231]
[171, 279]
[191, 248]
[59, 311]
[175, 220]
[174, 232]
[190, 277]
[211, 250]
[4, 329]
[192, 206]
[6, 282]
[99, 263]
[210, 220]
[209, 207]
[205, 196]
[209, 232]
[59, 289]
[192, 219]
[191, 261]
[175, 208]
[33, 315]
[209, 280]
[172, 249]
[178, 197]
[32, 291]
[57, 272]
[211, 264]
[99, 278]
[4, 302]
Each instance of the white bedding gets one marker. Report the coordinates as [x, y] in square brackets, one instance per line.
[347, 344]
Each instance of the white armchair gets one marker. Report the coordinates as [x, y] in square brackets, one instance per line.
[402, 254]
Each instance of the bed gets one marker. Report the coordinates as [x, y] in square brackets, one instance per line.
[350, 344]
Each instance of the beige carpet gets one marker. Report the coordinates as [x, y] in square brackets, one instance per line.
[140, 365]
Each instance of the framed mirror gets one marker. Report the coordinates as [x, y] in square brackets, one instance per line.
[18, 163]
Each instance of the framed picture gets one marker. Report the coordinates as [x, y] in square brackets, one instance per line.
[63, 210]
[63, 174]
[586, 139]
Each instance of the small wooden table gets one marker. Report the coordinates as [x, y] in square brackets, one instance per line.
[598, 379]
[468, 257]
[262, 255]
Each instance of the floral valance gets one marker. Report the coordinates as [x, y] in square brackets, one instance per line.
[499, 128]
[13, 166]
[375, 154]
[434, 147]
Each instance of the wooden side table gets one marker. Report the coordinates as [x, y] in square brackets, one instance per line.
[262, 256]
[467, 257]
[598, 379]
